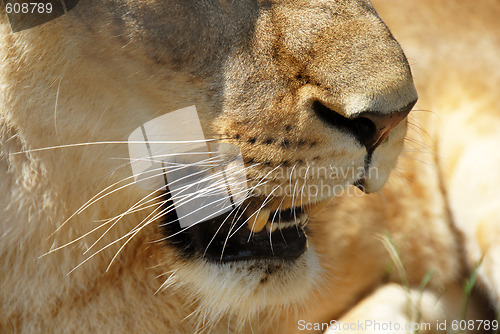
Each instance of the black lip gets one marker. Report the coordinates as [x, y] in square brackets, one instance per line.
[209, 240]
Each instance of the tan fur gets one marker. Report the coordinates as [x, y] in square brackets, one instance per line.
[252, 68]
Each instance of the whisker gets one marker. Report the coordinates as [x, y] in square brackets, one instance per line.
[420, 129]
[96, 198]
[140, 208]
[216, 232]
[396, 170]
[272, 222]
[116, 169]
[266, 200]
[260, 183]
[172, 235]
[107, 221]
[118, 218]
[423, 162]
[302, 191]
[144, 203]
[136, 207]
[92, 133]
[246, 221]
[294, 204]
[56, 105]
[188, 198]
[75, 240]
[219, 185]
[116, 142]
[168, 282]
[147, 220]
[183, 200]
[207, 205]
[416, 144]
[132, 232]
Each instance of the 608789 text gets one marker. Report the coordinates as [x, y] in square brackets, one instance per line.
[28, 8]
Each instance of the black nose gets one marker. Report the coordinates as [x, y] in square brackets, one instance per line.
[373, 128]
[369, 127]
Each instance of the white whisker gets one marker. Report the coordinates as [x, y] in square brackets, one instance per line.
[96, 198]
[115, 142]
[266, 200]
[118, 218]
[233, 223]
[168, 282]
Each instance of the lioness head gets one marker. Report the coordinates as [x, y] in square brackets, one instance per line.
[298, 86]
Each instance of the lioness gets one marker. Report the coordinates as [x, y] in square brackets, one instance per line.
[302, 85]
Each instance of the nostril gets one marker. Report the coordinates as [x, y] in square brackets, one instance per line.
[365, 129]
[374, 128]
[369, 127]
[362, 128]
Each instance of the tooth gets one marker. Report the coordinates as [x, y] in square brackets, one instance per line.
[313, 209]
[286, 225]
[271, 227]
[303, 218]
[258, 221]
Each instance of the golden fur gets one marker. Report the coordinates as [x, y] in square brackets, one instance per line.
[252, 68]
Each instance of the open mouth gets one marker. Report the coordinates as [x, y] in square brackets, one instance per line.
[243, 234]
